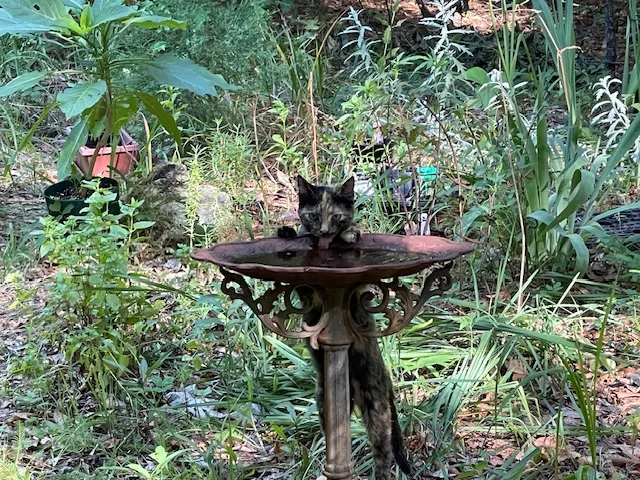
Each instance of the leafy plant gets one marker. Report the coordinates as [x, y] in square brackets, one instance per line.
[99, 99]
[585, 396]
[576, 185]
[105, 314]
[285, 149]
[163, 461]
[560, 181]
[209, 211]
[611, 110]
[443, 64]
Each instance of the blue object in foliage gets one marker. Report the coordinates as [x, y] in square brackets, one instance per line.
[427, 174]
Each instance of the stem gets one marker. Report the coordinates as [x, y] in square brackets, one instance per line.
[105, 73]
[130, 61]
[103, 140]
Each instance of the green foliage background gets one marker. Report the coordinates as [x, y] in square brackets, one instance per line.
[229, 38]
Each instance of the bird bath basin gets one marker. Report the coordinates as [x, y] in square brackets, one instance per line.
[336, 275]
[299, 261]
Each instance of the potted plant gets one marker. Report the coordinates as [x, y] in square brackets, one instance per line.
[98, 99]
[121, 161]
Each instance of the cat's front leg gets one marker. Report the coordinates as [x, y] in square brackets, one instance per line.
[351, 234]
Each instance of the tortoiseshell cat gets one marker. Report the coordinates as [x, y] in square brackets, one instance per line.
[327, 212]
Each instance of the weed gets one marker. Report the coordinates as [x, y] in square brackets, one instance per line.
[105, 315]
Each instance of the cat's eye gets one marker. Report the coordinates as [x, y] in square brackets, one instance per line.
[312, 217]
[338, 217]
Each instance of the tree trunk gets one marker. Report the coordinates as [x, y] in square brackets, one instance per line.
[610, 35]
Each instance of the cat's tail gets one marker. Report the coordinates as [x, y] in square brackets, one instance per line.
[396, 438]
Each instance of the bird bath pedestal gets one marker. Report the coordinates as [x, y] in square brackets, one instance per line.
[335, 276]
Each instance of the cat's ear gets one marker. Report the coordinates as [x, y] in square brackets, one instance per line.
[346, 191]
[305, 188]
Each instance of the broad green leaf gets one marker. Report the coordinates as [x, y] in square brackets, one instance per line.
[541, 216]
[118, 231]
[160, 455]
[74, 4]
[386, 38]
[10, 25]
[627, 141]
[477, 75]
[76, 99]
[32, 16]
[139, 469]
[183, 73]
[77, 138]
[125, 106]
[22, 83]
[582, 252]
[97, 129]
[47, 247]
[142, 225]
[164, 116]
[595, 230]
[103, 11]
[166, 460]
[143, 367]
[583, 183]
[155, 21]
[113, 301]
[85, 18]
[98, 118]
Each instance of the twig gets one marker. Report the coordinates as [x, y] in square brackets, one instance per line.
[314, 128]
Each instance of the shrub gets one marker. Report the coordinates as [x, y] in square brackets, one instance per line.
[99, 316]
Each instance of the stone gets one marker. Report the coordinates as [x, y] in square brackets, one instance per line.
[211, 200]
[164, 195]
[173, 264]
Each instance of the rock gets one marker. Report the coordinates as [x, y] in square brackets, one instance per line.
[211, 200]
[164, 195]
[173, 264]
[165, 192]
[194, 404]
[199, 405]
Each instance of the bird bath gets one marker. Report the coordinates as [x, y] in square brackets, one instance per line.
[335, 275]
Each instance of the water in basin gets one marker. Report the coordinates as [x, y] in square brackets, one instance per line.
[335, 258]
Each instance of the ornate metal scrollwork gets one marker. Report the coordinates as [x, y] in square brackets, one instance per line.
[265, 303]
[409, 303]
[396, 303]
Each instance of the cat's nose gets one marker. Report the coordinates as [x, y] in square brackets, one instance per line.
[324, 229]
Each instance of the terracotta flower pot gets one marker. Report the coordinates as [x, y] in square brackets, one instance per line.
[123, 161]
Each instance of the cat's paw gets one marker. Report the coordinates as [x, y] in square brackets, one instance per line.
[287, 232]
[350, 235]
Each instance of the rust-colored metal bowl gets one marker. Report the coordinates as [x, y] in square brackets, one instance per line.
[298, 261]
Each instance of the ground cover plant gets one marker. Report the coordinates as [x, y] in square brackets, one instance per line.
[121, 358]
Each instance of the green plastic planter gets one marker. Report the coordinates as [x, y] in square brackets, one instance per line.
[64, 208]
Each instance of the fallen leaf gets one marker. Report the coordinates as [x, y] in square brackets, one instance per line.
[544, 442]
[518, 368]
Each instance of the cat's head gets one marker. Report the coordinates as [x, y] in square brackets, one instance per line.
[325, 211]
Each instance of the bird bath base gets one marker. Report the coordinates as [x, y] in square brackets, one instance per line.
[336, 277]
